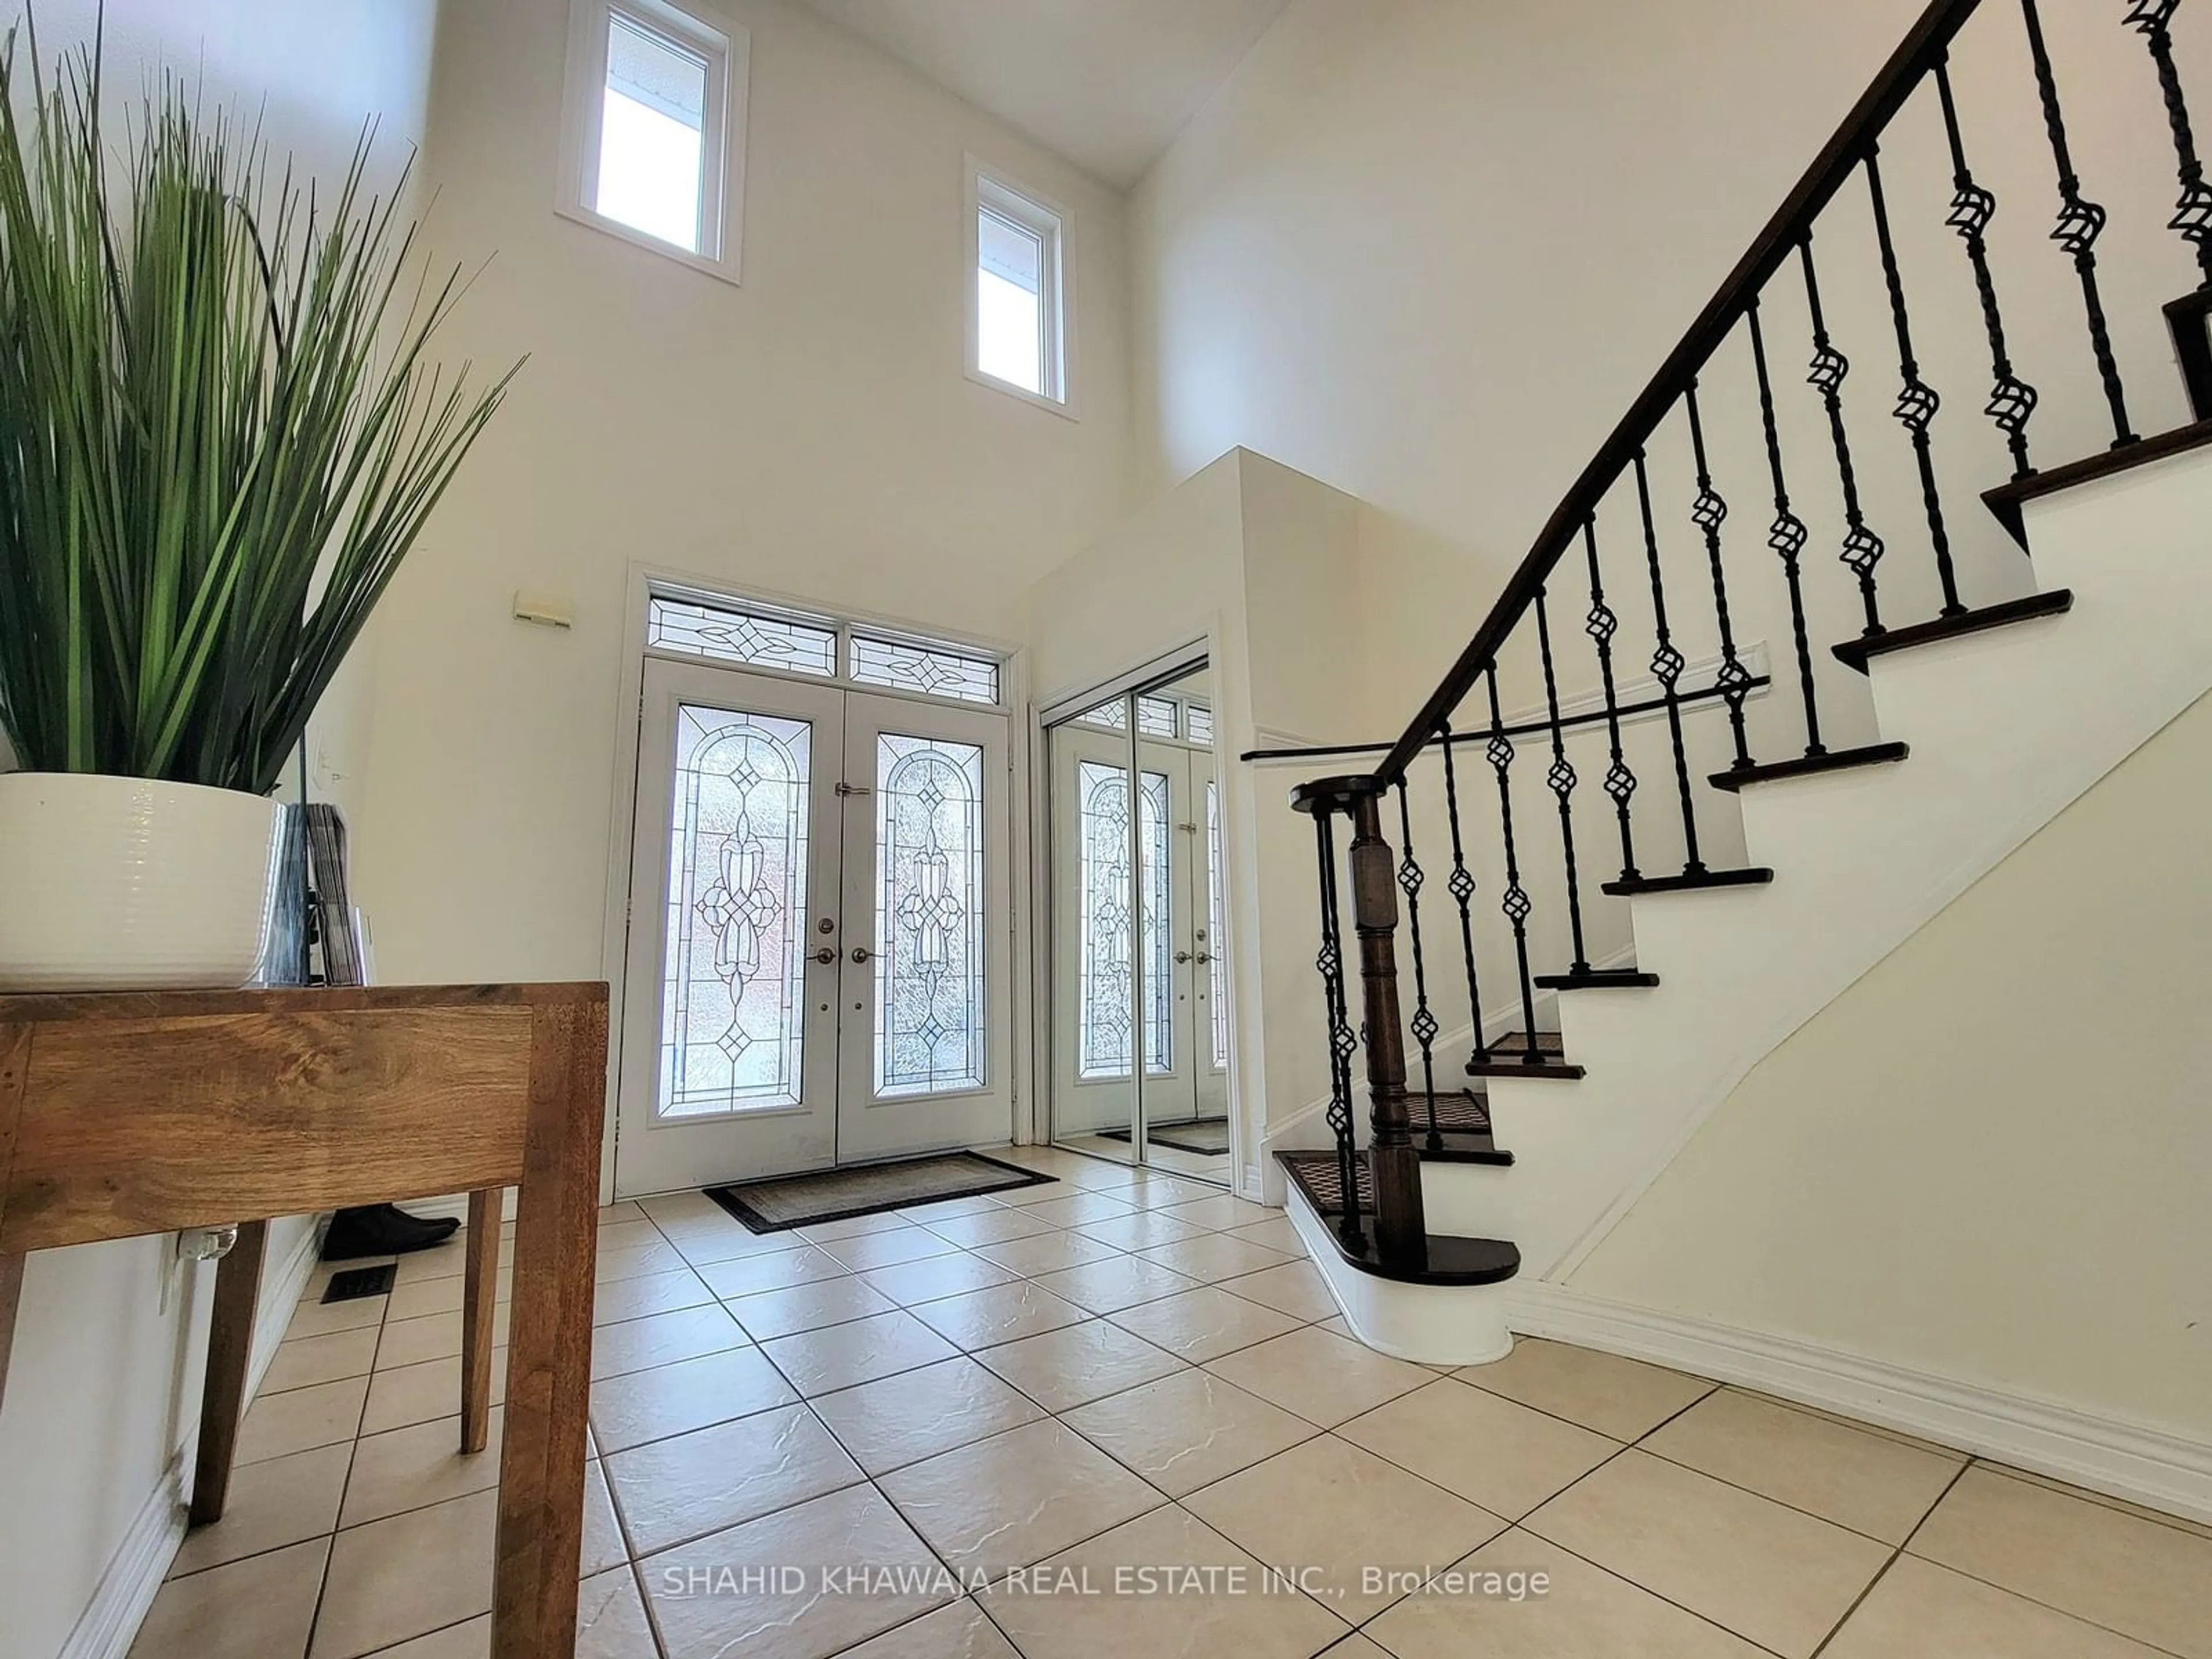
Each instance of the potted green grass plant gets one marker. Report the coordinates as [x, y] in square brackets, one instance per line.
[219, 434]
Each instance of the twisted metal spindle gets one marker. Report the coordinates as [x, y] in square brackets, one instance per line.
[1916, 405]
[1515, 903]
[1709, 514]
[1667, 667]
[1602, 625]
[1863, 550]
[1423, 1024]
[2192, 216]
[2081, 222]
[1787, 536]
[1562, 779]
[1342, 1042]
[1461, 887]
[2012, 401]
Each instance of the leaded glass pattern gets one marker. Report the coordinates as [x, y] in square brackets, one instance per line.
[733, 996]
[1217, 944]
[1113, 716]
[1198, 724]
[930, 1000]
[906, 667]
[1105, 1001]
[1156, 718]
[759, 642]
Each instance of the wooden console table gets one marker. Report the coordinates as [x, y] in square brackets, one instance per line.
[152, 1112]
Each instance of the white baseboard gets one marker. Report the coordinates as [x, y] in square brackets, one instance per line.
[454, 1206]
[110, 1621]
[273, 1313]
[2123, 1460]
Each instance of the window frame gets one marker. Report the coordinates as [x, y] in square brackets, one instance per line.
[726, 46]
[1054, 224]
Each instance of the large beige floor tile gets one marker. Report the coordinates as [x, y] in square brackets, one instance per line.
[658, 1256]
[1776, 1577]
[1141, 1229]
[852, 1226]
[633, 1233]
[1623, 1398]
[846, 1356]
[1121, 1281]
[1213, 1257]
[1220, 1213]
[1295, 1288]
[1275, 1232]
[417, 1393]
[281, 1501]
[312, 1359]
[628, 1411]
[412, 1468]
[1487, 1450]
[996, 1225]
[2150, 1582]
[1584, 1613]
[605, 1546]
[673, 1491]
[638, 1344]
[431, 1296]
[1001, 1313]
[935, 1278]
[1155, 1191]
[1204, 1323]
[890, 1247]
[655, 1293]
[1323, 1378]
[962, 1631]
[1016, 1498]
[261, 1607]
[768, 1314]
[1202, 1599]
[1046, 1253]
[314, 1318]
[1867, 1482]
[611, 1624]
[433, 1336]
[2202, 1530]
[1074, 1365]
[407, 1576]
[707, 1608]
[710, 1241]
[446, 1262]
[1330, 1505]
[300, 1420]
[903, 1420]
[1919, 1609]
[1188, 1430]
[1078, 1209]
[774, 1270]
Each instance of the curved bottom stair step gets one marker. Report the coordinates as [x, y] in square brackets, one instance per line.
[1452, 1259]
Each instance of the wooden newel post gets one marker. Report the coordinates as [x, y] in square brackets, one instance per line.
[1401, 1230]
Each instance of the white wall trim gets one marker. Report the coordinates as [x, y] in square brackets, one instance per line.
[110, 1622]
[2123, 1460]
[274, 1311]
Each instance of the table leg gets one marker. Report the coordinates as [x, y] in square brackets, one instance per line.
[11, 1292]
[230, 1350]
[541, 1488]
[479, 1305]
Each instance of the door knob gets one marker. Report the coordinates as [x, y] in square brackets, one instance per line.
[826, 955]
[1183, 955]
[1202, 957]
[861, 953]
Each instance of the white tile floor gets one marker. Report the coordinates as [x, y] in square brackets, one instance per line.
[1018, 1414]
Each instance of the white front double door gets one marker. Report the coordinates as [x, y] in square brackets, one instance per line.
[816, 970]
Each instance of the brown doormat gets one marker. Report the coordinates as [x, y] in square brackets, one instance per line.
[776, 1205]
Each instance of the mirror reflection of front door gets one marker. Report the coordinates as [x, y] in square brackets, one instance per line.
[815, 971]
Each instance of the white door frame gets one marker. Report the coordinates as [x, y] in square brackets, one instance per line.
[642, 581]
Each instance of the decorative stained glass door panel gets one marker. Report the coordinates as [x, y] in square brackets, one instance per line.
[925, 1007]
[729, 1060]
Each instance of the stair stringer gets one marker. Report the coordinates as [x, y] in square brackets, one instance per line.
[2007, 729]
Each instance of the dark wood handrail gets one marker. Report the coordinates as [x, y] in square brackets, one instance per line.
[1861, 131]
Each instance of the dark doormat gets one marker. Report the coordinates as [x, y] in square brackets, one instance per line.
[1197, 1134]
[786, 1201]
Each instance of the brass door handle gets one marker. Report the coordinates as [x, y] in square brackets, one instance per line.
[861, 953]
[826, 955]
[1183, 955]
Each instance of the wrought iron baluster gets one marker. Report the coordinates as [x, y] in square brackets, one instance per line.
[2192, 216]
[1461, 884]
[1787, 536]
[1562, 779]
[1342, 1042]
[1709, 514]
[1514, 903]
[2012, 401]
[2081, 222]
[1602, 625]
[1667, 667]
[1917, 403]
[1423, 1022]
[1862, 549]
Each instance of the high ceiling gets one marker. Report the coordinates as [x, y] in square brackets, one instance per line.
[1107, 83]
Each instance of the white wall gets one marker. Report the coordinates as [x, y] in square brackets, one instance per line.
[810, 433]
[103, 1391]
[1986, 1160]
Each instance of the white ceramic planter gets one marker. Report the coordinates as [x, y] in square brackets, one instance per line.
[125, 884]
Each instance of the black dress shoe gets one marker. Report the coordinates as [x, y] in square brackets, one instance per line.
[383, 1229]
